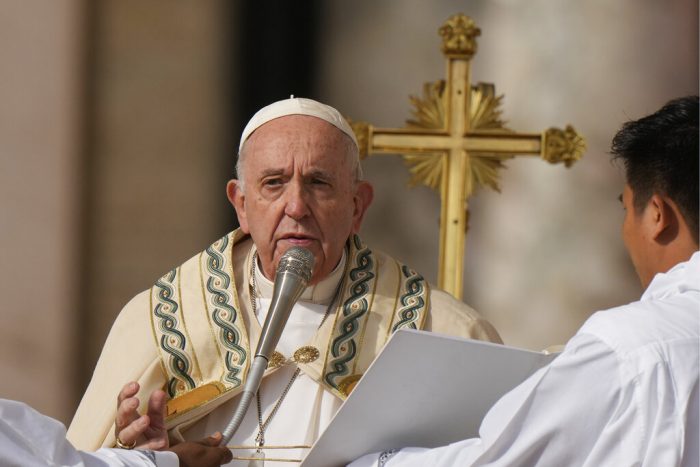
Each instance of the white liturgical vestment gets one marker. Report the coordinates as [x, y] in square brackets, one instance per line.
[30, 439]
[194, 332]
[307, 408]
[623, 393]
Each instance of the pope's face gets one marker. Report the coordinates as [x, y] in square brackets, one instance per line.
[299, 190]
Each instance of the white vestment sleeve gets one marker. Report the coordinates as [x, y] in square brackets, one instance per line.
[561, 415]
[29, 439]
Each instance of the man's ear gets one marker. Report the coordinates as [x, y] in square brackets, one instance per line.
[236, 197]
[662, 219]
[364, 194]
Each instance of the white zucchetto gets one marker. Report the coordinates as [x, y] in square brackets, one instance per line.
[296, 106]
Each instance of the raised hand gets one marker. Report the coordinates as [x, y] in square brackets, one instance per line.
[140, 431]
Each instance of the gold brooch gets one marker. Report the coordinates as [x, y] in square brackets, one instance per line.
[306, 354]
[276, 360]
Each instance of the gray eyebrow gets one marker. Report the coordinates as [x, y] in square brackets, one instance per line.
[311, 174]
[318, 173]
[268, 172]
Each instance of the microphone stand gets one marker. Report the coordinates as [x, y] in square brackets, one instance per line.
[293, 273]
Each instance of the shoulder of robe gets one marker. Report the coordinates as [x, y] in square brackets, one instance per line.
[131, 333]
[127, 355]
[447, 315]
[138, 305]
[451, 316]
[132, 323]
[638, 325]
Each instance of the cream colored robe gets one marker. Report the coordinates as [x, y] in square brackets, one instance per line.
[192, 333]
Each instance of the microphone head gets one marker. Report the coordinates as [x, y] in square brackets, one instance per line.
[298, 261]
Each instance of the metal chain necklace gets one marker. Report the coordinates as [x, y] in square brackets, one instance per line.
[262, 426]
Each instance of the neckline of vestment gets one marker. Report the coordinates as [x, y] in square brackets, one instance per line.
[321, 293]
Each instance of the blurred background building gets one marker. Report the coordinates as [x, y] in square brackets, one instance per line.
[119, 123]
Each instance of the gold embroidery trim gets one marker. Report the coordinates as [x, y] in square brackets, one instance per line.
[194, 398]
[352, 256]
[208, 318]
[235, 237]
[346, 386]
[151, 319]
[370, 304]
[426, 308]
[270, 459]
[399, 281]
[184, 325]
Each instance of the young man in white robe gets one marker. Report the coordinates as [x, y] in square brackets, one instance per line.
[625, 389]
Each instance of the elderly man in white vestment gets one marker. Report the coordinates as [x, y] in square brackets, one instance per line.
[299, 184]
[624, 392]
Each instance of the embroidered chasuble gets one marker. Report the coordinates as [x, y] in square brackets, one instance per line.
[194, 333]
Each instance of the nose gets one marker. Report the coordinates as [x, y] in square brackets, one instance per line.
[296, 203]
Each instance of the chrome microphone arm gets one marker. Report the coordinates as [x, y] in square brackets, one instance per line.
[292, 276]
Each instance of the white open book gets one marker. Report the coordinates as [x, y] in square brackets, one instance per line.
[424, 389]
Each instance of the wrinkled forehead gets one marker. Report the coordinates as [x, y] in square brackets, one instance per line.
[296, 139]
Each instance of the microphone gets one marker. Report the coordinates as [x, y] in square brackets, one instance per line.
[292, 275]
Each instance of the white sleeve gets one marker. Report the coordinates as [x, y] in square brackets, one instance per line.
[568, 413]
[133, 458]
[30, 439]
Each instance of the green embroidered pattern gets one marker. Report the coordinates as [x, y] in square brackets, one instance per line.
[223, 313]
[412, 302]
[344, 348]
[172, 341]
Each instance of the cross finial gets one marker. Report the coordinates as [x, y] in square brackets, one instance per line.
[459, 35]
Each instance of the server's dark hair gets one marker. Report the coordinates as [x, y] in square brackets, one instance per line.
[660, 154]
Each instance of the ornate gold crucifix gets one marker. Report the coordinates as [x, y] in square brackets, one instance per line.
[458, 142]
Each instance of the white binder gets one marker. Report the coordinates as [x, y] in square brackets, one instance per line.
[424, 389]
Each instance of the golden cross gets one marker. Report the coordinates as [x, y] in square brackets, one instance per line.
[458, 142]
